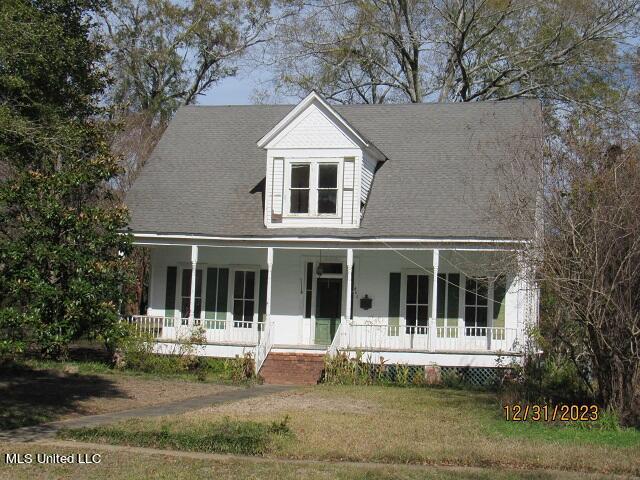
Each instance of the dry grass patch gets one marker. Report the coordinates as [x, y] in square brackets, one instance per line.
[433, 426]
[123, 465]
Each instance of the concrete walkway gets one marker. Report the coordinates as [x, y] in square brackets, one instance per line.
[46, 430]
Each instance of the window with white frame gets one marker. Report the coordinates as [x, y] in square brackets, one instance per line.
[244, 283]
[314, 188]
[476, 306]
[300, 188]
[417, 304]
[327, 188]
[185, 295]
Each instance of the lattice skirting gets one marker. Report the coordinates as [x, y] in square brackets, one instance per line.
[413, 374]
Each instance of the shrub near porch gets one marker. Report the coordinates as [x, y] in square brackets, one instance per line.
[410, 425]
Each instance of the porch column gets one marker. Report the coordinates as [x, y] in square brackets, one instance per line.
[192, 297]
[434, 298]
[349, 271]
[269, 268]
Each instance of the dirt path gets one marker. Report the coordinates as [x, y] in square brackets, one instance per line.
[46, 430]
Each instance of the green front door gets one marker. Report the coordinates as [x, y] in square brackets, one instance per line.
[328, 309]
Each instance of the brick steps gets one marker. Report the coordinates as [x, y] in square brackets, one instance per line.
[282, 368]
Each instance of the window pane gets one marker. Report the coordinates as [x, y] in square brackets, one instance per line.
[184, 310]
[248, 311]
[412, 286]
[186, 282]
[198, 308]
[470, 296]
[442, 290]
[331, 267]
[411, 315]
[327, 201]
[454, 295]
[238, 285]
[299, 201]
[483, 292]
[423, 315]
[328, 176]
[423, 289]
[299, 176]
[470, 316]
[481, 317]
[237, 310]
[198, 283]
[249, 285]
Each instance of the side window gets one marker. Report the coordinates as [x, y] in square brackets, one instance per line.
[417, 304]
[299, 189]
[475, 307]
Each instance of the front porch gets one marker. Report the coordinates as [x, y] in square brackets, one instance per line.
[381, 301]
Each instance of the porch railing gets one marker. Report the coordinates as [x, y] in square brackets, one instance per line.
[336, 343]
[217, 332]
[429, 338]
[264, 346]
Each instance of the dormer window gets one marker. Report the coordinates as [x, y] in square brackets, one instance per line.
[327, 188]
[319, 169]
[314, 187]
[300, 174]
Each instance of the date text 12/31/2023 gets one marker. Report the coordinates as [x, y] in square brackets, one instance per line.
[551, 413]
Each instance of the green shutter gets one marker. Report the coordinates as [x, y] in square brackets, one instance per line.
[223, 289]
[442, 293]
[170, 295]
[394, 304]
[210, 300]
[262, 296]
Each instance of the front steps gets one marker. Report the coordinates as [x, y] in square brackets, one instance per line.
[292, 368]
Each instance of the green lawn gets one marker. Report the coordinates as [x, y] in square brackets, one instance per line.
[398, 425]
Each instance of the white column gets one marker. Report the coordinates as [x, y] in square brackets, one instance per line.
[349, 271]
[269, 269]
[434, 298]
[192, 298]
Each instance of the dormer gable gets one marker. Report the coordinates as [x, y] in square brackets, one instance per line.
[314, 168]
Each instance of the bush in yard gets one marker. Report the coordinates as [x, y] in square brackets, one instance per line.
[240, 369]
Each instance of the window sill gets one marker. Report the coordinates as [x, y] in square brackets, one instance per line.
[327, 216]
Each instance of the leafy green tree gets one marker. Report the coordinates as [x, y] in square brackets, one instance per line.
[62, 259]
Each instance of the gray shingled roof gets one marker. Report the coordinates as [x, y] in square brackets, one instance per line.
[206, 173]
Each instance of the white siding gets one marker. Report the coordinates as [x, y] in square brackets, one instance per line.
[312, 129]
[348, 185]
[368, 169]
[277, 185]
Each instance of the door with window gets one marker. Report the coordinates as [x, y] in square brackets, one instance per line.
[328, 309]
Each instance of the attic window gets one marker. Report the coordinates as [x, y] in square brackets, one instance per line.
[300, 188]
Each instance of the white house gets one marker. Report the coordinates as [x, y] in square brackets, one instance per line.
[315, 228]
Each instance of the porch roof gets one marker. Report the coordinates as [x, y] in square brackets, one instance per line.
[206, 175]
